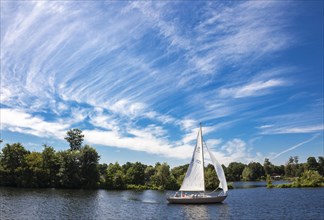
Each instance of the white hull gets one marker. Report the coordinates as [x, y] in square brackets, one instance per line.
[196, 200]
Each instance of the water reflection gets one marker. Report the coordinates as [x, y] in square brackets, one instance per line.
[205, 211]
[146, 196]
[256, 203]
[195, 212]
[254, 184]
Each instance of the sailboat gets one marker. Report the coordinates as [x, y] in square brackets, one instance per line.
[193, 189]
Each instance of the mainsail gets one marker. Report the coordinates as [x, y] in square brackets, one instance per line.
[194, 179]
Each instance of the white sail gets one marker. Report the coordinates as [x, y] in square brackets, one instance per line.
[219, 171]
[194, 179]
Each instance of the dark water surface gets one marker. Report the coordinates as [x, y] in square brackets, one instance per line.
[247, 203]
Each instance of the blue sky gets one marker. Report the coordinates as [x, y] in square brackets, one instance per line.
[138, 77]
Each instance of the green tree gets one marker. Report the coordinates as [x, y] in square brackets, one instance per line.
[148, 173]
[321, 165]
[103, 173]
[310, 178]
[290, 168]
[311, 164]
[51, 166]
[247, 174]
[234, 171]
[115, 178]
[211, 180]
[279, 170]
[75, 138]
[3, 176]
[12, 161]
[70, 176]
[253, 171]
[33, 174]
[89, 170]
[135, 174]
[269, 181]
[161, 178]
[293, 168]
[119, 180]
[179, 173]
[268, 167]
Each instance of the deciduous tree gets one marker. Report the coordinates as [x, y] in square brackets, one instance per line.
[75, 138]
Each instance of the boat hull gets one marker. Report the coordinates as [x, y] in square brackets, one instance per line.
[197, 200]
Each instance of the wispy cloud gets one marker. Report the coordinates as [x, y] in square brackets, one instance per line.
[243, 30]
[151, 140]
[308, 121]
[298, 130]
[150, 79]
[251, 89]
[18, 121]
[295, 146]
[235, 150]
[119, 78]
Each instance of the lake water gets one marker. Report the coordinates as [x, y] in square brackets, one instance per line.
[243, 203]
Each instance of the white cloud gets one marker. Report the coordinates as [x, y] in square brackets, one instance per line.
[251, 89]
[152, 139]
[105, 121]
[118, 77]
[235, 150]
[78, 64]
[19, 121]
[146, 141]
[140, 141]
[308, 121]
[127, 108]
[265, 126]
[213, 142]
[293, 130]
[243, 31]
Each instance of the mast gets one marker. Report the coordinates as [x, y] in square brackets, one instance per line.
[202, 151]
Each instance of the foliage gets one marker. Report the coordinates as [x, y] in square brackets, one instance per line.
[75, 138]
[253, 171]
[230, 185]
[309, 178]
[162, 177]
[135, 173]
[312, 163]
[179, 173]
[12, 162]
[268, 167]
[140, 187]
[89, 161]
[211, 180]
[115, 178]
[234, 171]
[269, 182]
[81, 169]
[321, 166]
[51, 166]
[293, 168]
[148, 173]
[70, 173]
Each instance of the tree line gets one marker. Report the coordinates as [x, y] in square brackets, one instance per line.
[79, 167]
